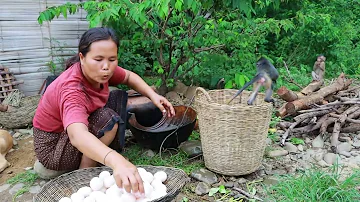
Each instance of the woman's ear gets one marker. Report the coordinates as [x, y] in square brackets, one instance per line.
[81, 56]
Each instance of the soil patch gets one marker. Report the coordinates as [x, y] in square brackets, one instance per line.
[21, 157]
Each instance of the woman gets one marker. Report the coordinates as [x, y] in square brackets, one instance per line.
[77, 118]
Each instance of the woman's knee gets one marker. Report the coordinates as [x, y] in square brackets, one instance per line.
[110, 135]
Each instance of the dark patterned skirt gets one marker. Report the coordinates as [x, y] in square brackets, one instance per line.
[55, 151]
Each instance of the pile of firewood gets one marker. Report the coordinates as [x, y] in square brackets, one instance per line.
[321, 109]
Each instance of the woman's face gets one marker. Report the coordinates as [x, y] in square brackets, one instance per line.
[100, 62]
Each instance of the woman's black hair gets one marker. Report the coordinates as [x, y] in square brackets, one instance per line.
[90, 36]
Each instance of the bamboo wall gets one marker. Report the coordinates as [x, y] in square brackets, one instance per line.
[26, 47]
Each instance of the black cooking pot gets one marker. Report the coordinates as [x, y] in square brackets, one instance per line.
[150, 127]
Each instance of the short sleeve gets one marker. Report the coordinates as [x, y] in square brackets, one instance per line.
[72, 107]
[118, 76]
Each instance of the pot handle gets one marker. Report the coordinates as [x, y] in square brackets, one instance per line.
[204, 92]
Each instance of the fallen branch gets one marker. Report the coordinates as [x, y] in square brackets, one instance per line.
[287, 133]
[247, 194]
[287, 94]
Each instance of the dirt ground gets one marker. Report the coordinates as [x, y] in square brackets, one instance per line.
[21, 157]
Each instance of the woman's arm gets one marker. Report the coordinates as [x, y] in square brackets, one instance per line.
[125, 173]
[135, 82]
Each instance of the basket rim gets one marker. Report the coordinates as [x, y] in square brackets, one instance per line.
[106, 168]
[213, 104]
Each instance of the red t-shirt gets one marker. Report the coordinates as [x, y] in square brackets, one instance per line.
[71, 99]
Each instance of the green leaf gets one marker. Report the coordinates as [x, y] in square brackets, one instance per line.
[213, 191]
[158, 82]
[178, 5]
[168, 32]
[64, 11]
[229, 84]
[222, 189]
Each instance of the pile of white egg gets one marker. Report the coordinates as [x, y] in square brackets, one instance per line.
[104, 189]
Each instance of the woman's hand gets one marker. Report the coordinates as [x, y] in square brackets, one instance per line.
[163, 104]
[126, 175]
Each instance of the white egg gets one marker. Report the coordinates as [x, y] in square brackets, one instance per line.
[97, 195]
[96, 184]
[148, 189]
[148, 177]
[143, 200]
[120, 190]
[109, 181]
[128, 197]
[141, 170]
[76, 197]
[157, 194]
[114, 191]
[65, 199]
[156, 182]
[104, 174]
[161, 175]
[90, 199]
[85, 191]
[103, 189]
[160, 188]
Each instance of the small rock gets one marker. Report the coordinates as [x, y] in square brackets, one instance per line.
[232, 178]
[180, 87]
[271, 180]
[229, 184]
[345, 146]
[330, 158]
[279, 172]
[16, 188]
[16, 135]
[9, 172]
[28, 168]
[290, 169]
[358, 136]
[268, 141]
[345, 153]
[14, 142]
[42, 183]
[128, 133]
[354, 153]
[204, 175]
[149, 153]
[4, 187]
[345, 139]
[307, 140]
[318, 142]
[26, 131]
[202, 188]
[191, 147]
[323, 164]
[277, 153]
[300, 147]
[35, 189]
[242, 180]
[356, 144]
[290, 147]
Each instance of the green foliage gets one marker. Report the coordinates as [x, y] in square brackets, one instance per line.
[28, 178]
[296, 141]
[178, 160]
[316, 185]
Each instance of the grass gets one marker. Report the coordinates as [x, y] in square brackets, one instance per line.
[178, 159]
[28, 178]
[316, 185]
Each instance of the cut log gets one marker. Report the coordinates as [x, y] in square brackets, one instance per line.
[287, 94]
[312, 87]
[281, 112]
[316, 97]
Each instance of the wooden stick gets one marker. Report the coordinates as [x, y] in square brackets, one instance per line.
[247, 194]
[286, 134]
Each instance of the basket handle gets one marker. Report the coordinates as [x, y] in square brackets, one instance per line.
[204, 92]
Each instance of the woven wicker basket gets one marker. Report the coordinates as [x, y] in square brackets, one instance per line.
[22, 115]
[69, 183]
[233, 136]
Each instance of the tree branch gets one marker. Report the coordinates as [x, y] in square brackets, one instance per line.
[188, 70]
[198, 50]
